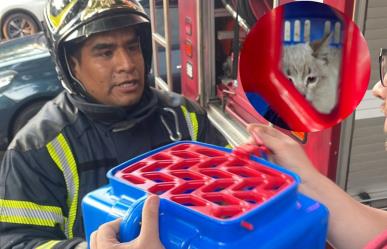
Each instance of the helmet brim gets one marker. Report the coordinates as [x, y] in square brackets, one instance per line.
[104, 24]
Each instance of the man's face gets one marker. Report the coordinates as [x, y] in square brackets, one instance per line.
[381, 92]
[111, 67]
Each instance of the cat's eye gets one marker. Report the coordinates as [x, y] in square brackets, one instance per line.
[311, 80]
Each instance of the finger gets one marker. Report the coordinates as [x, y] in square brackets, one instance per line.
[251, 128]
[93, 240]
[273, 139]
[251, 140]
[107, 233]
[150, 219]
[254, 138]
[264, 134]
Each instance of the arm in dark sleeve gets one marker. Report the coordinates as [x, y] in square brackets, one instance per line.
[32, 202]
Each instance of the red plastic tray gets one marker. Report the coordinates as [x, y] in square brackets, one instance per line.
[215, 183]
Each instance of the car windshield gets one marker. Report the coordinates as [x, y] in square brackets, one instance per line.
[20, 48]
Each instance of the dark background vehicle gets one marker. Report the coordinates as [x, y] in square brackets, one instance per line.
[27, 80]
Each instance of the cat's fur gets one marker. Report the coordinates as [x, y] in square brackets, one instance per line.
[314, 68]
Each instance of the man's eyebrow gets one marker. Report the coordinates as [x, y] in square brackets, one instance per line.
[100, 46]
[133, 40]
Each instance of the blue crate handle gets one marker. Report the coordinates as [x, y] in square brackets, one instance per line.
[130, 225]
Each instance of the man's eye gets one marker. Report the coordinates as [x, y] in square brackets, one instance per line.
[107, 53]
[134, 47]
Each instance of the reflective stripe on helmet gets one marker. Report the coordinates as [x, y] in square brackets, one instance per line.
[192, 123]
[60, 152]
[56, 20]
[24, 212]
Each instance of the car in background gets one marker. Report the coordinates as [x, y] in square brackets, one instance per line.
[20, 17]
[27, 81]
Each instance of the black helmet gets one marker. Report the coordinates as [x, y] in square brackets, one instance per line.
[71, 21]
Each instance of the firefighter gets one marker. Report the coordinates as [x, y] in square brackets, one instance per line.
[107, 115]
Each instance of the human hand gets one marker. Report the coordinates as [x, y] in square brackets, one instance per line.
[106, 235]
[283, 149]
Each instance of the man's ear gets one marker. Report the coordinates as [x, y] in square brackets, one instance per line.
[74, 66]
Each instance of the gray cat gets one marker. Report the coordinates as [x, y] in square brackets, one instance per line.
[314, 68]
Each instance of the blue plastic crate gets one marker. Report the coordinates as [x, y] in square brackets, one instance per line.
[211, 197]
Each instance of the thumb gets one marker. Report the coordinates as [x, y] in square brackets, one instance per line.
[268, 136]
[150, 219]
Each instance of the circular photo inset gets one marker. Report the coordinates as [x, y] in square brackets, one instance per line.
[305, 66]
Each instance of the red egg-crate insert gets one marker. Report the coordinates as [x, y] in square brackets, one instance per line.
[213, 182]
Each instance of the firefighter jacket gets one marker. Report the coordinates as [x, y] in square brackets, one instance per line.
[65, 151]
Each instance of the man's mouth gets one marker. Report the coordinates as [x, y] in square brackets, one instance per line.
[126, 87]
[127, 84]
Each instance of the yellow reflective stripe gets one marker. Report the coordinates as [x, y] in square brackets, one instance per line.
[58, 19]
[48, 245]
[29, 205]
[60, 152]
[27, 221]
[184, 109]
[229, 146]
[192, 123]
[195, 125]
[23, 212]
[187, 120]
[75, 180]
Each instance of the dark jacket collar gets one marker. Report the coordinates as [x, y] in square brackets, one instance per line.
[119, 118]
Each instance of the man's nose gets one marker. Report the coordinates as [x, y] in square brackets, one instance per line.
[124, 61]
[379, 91]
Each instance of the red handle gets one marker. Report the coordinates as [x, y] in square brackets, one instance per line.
[246, 150]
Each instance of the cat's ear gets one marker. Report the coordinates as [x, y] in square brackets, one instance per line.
[321, 44]
[320, 47]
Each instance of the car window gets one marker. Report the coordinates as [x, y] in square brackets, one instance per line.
[20, 48]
